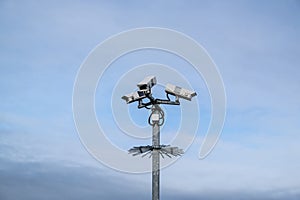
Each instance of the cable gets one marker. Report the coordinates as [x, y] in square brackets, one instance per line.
[161, 116]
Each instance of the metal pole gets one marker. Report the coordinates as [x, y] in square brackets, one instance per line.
[155, 156]
[156, 119]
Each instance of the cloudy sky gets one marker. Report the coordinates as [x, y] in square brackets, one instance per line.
[255, 45]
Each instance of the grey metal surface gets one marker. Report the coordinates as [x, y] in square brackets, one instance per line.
[155, 155]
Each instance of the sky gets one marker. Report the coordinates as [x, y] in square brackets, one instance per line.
[255, 45]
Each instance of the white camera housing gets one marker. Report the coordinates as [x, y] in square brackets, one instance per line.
[147, 83]
[144, 89]
[134, 96]
[179, 92]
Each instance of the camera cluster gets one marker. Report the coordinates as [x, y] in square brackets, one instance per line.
[144, 92]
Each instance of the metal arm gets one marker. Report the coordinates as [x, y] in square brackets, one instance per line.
[153, 101]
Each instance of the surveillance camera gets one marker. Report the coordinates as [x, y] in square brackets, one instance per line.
[147, 83]
[179, 92]
[134, 96]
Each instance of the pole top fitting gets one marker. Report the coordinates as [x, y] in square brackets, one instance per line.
[155, 118]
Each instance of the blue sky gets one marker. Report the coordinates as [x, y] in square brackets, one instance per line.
[255, 45]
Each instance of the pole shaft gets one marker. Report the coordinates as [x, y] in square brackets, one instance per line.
[155, 161]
